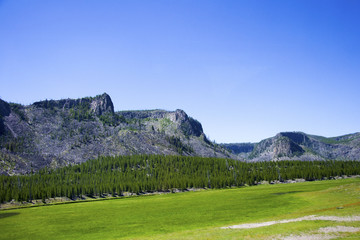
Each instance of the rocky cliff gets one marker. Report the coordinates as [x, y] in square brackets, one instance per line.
[60, 132]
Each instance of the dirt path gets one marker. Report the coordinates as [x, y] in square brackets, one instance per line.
[306, 218]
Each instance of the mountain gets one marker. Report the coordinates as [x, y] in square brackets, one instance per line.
[55, 133]
[242, 150]
[300, 146]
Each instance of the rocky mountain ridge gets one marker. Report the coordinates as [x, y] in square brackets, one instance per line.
[60, 132]
[299, 146]
[56, 133]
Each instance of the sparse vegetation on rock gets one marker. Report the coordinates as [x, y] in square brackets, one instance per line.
[300, 146]
[56, 133]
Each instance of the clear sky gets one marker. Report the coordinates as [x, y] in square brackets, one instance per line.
[245, 69]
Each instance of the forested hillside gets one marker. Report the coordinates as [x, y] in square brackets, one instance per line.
[149, 173]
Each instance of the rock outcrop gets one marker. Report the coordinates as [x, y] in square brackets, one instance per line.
[102, 104]
[98, 105]
[285, 146]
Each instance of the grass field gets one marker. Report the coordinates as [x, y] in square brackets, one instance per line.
[192, 215]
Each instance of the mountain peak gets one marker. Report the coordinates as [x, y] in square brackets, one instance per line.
[296, 137]
[102, 104]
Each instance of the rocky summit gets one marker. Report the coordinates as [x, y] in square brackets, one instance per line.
[56, 133]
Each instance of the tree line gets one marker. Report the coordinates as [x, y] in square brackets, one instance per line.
[149, 173]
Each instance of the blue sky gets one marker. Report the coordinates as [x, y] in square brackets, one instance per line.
[245, 69]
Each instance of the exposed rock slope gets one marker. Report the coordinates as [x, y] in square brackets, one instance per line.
[59, 132]
[300, 146]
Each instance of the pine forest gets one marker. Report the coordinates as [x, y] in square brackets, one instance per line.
[139, 174]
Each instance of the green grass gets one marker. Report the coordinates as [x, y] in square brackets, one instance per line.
[191, 215]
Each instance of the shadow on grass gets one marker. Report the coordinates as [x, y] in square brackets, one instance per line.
[8, 214]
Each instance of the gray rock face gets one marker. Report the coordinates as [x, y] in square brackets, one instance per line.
[55, 133]
[285, 146]
[102, 104]
[179, 118]
[188, 125]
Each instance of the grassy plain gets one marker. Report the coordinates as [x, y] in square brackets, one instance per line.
[191, 215]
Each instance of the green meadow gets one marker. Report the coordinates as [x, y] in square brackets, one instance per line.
[191, 215]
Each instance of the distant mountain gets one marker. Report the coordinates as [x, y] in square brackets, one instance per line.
[300, 146]
[243, 150]
[60, 132]
[56, 133]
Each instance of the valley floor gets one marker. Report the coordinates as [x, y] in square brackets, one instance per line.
[310, 210]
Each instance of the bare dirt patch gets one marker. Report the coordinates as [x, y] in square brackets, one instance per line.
[306, 218]
[339, 229]
[308, 237]
[323, 233]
